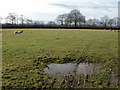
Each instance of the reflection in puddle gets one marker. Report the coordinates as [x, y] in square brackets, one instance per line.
[86, 69]
[70, 68]
[60, 69]
[57, 70]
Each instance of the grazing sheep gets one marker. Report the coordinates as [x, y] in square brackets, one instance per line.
[117, 30]
[18, 32]
[114, 30]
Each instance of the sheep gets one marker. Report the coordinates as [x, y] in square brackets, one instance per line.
[18, 32]
[115, 30]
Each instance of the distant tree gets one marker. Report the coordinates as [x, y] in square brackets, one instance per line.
[93, 21]
[76, 16]
[11, 18]
[110, 22]
[83, 20]
[115, 21]
[42, 22]
[105, 20]
[22, 19]
[61, 19]
[17, 19]
[68, 19]
[36, 22]
[51, 23]
[29, 21]
[90, 21]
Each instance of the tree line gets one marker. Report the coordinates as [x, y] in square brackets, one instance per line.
[73, 18]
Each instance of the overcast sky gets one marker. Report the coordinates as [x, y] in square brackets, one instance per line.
[49, 9]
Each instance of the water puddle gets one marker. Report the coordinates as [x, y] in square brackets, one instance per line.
[70, 68]
[58, 70]
[88, 68]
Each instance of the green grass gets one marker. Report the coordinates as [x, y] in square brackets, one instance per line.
[20, 51]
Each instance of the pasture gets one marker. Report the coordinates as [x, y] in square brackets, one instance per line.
[21, 53]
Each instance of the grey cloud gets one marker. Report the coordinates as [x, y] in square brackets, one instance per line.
[65, 5]
[91, 5]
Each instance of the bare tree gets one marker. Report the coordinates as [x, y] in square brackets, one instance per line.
[22, 19]
[61, 18]
[68, 19]
[93, 21]
[42, 22]
[110, 22]
[11, 18]
[29, 21]
[51, 23]
[17, 19]
[36, 22]
[115, 20]
[76, 16]
[83, 20]
[105, 20]
[90, 21]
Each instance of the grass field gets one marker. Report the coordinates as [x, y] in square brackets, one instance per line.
[20, 52]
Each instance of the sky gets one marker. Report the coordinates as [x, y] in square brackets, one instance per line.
[48, 10]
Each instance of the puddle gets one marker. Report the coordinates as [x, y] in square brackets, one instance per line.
[87, 69]
[57, 70]
[70, 68]
[60, 69]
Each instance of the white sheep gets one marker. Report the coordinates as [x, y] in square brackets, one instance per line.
[116, 30]
[18, 32]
